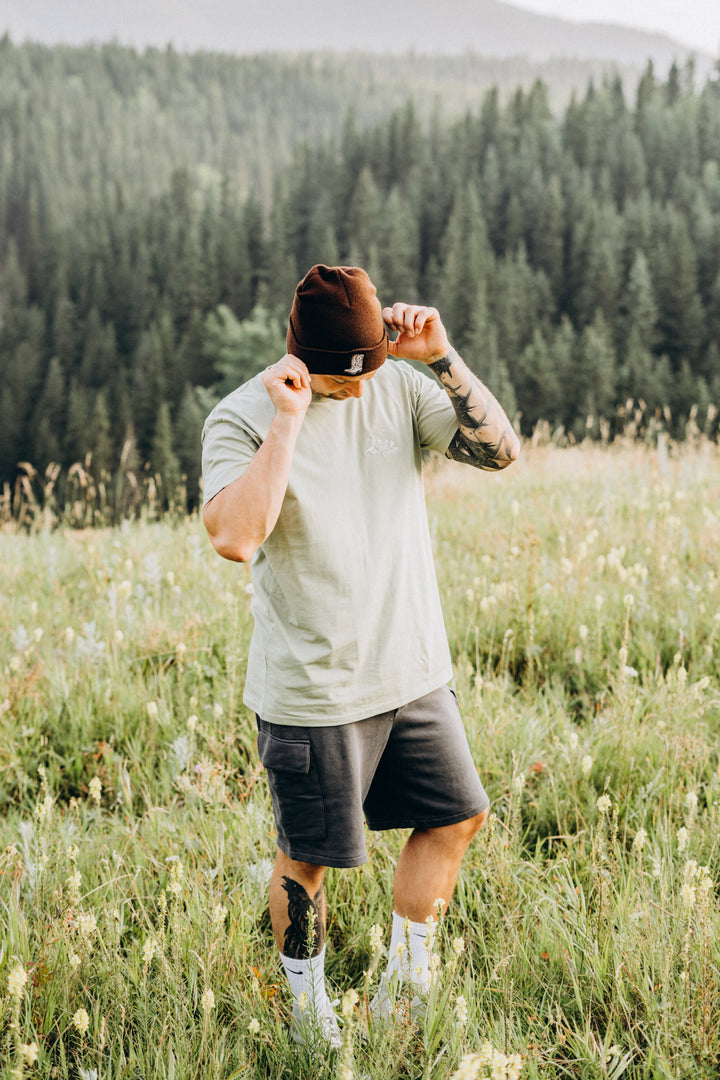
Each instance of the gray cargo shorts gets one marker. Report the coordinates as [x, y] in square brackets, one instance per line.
[410, 768]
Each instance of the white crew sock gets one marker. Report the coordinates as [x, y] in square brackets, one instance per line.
[307, 977]
[412, 958]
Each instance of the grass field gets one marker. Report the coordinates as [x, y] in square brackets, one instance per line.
[582, 599]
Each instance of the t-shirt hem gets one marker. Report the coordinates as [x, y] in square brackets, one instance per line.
[347, 716]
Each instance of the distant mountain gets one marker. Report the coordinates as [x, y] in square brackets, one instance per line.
[488, 27]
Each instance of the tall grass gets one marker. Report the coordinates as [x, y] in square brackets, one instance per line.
[582, 599]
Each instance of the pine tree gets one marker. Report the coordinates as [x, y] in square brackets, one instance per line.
[163, 461]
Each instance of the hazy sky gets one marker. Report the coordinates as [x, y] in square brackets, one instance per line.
[695, 22]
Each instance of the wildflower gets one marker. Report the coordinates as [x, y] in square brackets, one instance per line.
[349, 1001]
[518, 783]
[149, 950]
[599, 598]
[219, 915]
[302, 1002]
[691, 803]
[176, 878]
[217, 710]
[586, 765]
[376, 938]
[72, 852]
[631, 672]
[180, 649]
[604, 804]
[682, 839]
[249, 589]
[639, 841]
[73, 882]
[17, 980]
[440, 904]
[458, 946]
[573, 741]
[86, 923]
[583, 631]
[118, 637]
[37, 633]
[29, 1052]
[170, 578]
[73, 961]
[461, 1011]
[192, 722]
[152, 709]
[69, 635]
[688, 895]
[629, 601]
[207, 1000]
[254, 1026]
[96, 790]
[81, 1021]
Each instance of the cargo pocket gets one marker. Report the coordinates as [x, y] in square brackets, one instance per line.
[294, 786]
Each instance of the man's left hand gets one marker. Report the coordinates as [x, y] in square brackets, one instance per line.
[421, 334]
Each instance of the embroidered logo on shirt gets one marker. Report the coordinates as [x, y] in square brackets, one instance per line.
[356, 363]
[381, 443]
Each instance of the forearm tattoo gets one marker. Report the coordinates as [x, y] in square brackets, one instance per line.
[485, 438]
[305, 936]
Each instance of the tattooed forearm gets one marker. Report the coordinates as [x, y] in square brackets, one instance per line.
[485, 437]
[305, 936]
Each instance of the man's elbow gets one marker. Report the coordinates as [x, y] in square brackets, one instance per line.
[230, 549]
[226, 542]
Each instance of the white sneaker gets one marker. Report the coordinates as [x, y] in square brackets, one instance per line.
[315, 1024]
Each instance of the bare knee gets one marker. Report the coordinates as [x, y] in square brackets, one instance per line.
[462, 832]
[309, 875]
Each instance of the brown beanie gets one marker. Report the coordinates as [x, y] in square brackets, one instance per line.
[336, 324]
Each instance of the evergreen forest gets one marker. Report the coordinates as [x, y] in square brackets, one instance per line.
[157, 210]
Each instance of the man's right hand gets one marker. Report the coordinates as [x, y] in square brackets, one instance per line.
[288, 384]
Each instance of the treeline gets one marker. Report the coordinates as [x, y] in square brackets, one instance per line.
[575, 259]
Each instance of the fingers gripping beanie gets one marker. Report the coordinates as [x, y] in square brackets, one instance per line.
[336, 324]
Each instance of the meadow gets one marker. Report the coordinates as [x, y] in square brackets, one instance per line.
[582, 598]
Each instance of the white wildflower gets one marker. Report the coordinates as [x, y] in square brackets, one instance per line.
[458, 946]
[376, 938]
[604, 804]
[29, 1052]
[349, 1001]
[586, 765]
[81, 1021]
[152, 709]
[17, 980]
[219, 915]
[149, 950]
[254, 1026]
[95, 789]
[683, 837]
[207, 1000]
[639, 841]
[461, 1012]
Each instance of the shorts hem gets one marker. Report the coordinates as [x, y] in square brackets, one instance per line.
[428, 823]
[316, 859]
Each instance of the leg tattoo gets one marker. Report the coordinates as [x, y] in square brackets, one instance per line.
[305, 936]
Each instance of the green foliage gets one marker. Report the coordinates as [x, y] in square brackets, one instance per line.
[125, 270]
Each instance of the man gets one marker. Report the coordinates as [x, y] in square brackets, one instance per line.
[313, 470]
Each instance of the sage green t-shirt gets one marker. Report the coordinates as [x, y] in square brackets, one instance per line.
[348, 622]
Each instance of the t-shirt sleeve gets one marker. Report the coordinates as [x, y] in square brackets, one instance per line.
[228, 447]
[436, 419]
